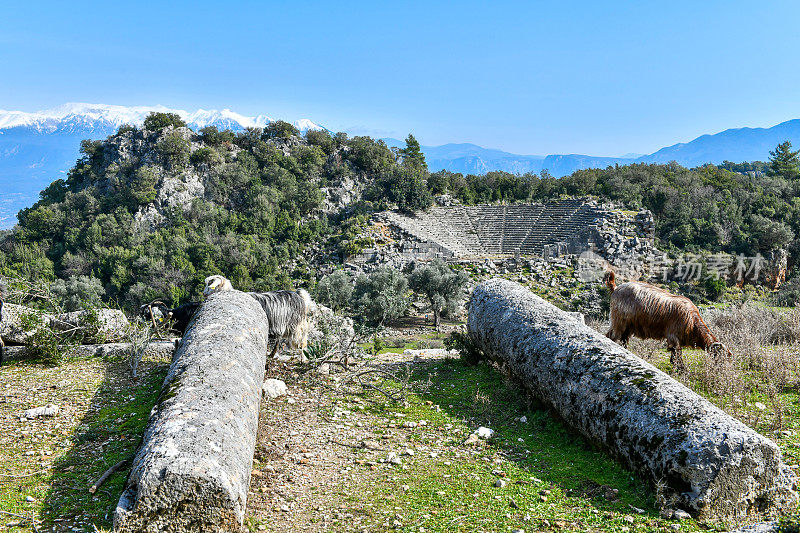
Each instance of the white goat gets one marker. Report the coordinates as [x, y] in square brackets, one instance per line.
[287, 312]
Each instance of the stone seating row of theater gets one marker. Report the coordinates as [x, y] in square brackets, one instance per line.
[468, 231]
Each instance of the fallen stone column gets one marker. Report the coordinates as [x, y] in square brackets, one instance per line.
[19, 323]
[97, 325]
[713, 466]
[192, 471]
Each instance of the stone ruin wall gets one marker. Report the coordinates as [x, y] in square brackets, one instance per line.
[473, 234]
[578, 232]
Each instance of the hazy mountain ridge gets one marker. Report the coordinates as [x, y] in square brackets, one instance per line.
[737, 145]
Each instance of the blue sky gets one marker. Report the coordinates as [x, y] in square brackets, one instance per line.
[602, 78]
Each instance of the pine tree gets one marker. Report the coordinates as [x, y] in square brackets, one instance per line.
[784, 162]
[412, 154]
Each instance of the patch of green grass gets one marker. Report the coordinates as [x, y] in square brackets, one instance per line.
[551, 475]
[49, 464]
[108, 434]
[105, 437]
[415, 342]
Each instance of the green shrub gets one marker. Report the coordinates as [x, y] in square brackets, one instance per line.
[334, 290]
[280, 129]
[322, 139]
[174, 149]
[788, 294]
[714, 288]
[45, 344]
[204, 156]
[466, 346]
[159, 121]
[213, 137]
[79, 292]
[380, 296]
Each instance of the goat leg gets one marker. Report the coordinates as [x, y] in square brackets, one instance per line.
[676, 358]
[274, 352]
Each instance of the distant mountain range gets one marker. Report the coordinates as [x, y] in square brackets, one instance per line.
[737, 145]
[38, 148]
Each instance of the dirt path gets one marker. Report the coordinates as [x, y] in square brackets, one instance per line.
[316, 449]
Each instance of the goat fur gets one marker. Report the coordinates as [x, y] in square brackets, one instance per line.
[287, 312]
[650, 312]
[158, 313]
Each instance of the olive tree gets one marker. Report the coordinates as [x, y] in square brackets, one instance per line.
[380, 296]
[79, 292]
[334, 290]
[441, 285]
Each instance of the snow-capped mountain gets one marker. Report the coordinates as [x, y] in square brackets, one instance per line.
[38, 148]
[76, 116]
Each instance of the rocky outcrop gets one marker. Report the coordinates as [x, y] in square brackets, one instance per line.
[713, 465]
[343, 192]
[20, 323]
[192, 471]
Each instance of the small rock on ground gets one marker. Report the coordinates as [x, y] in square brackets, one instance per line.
[48, 410]
[274, 388]
[680, 514]
[484, 432]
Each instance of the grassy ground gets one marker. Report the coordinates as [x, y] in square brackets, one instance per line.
[48, 464]
[314, 473]
[533, 474]
[407, 342]
[776, 416]
[550, 477]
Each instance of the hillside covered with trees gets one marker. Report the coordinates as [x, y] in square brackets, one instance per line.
[150, 212]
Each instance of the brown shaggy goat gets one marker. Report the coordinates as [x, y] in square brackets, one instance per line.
[649, 312]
